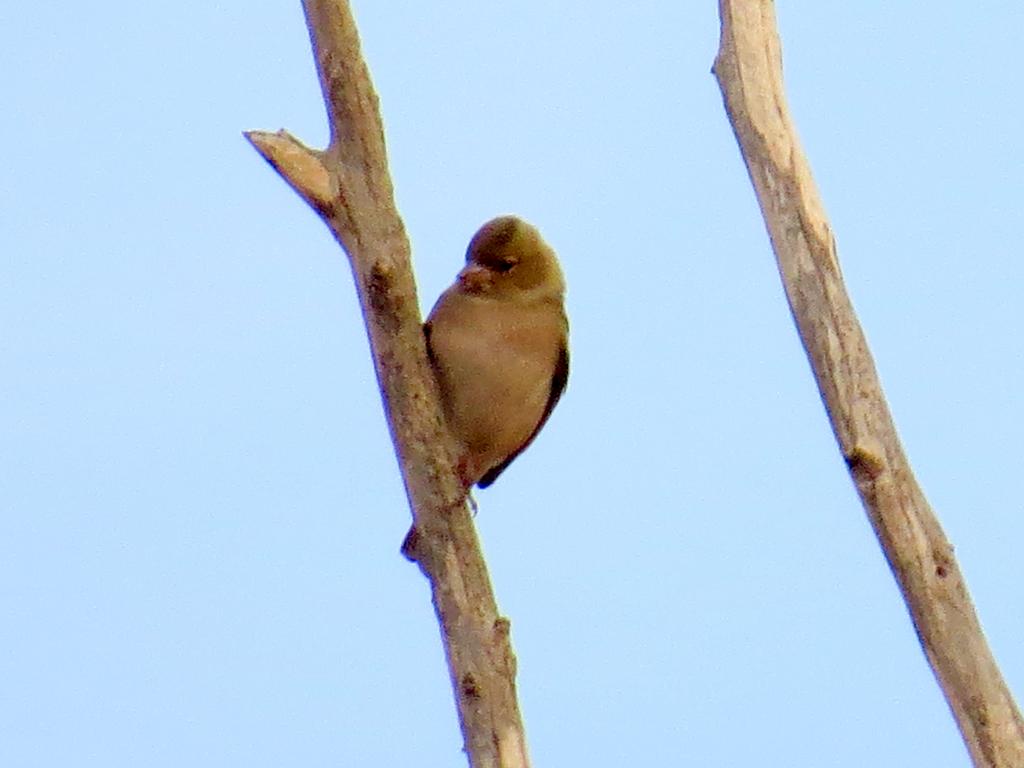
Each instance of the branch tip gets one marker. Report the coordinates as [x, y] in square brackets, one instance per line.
[303, 168]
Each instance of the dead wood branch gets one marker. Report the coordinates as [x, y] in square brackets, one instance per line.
[349, 186]
[749, 72]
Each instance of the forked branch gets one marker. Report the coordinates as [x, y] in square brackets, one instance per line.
[349, 186]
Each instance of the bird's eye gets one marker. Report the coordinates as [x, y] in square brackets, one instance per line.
[505, 265]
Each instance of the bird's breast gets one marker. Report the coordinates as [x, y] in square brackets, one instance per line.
[495, 365]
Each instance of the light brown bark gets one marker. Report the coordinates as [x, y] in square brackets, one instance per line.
[349, 186]
[749, 72]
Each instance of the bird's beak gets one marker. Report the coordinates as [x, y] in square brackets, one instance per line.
[474, 278]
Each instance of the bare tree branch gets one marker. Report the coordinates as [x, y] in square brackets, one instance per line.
[349, 185]
[749, 72]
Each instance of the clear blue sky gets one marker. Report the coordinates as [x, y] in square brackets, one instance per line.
[200, 510]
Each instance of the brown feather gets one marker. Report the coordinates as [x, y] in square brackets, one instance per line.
[558, 382]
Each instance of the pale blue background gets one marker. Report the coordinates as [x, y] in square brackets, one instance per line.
[200, 511]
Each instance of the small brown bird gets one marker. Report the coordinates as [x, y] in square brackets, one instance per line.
[498, 341]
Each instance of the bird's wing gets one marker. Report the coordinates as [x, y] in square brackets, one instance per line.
[558, 382]
[426, 335]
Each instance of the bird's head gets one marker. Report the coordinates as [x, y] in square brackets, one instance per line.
[508, 257]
